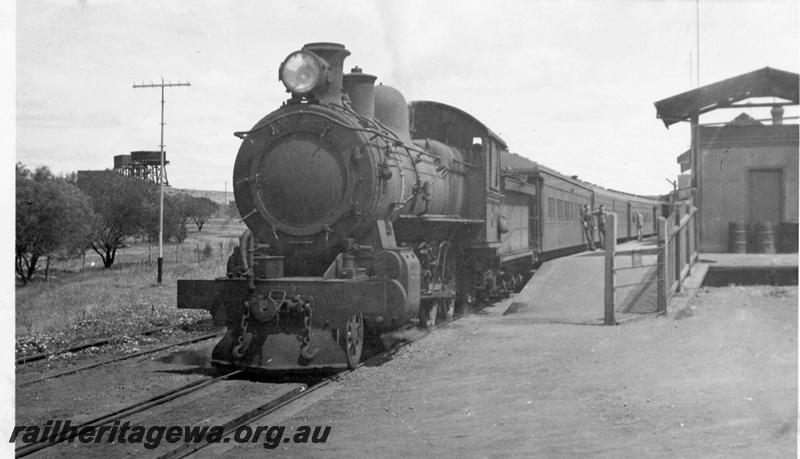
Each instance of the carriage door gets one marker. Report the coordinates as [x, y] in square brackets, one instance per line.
[655, 219]
[630, 221]
[534, 220]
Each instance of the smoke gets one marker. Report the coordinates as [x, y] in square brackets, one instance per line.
[200, 357]
[395, 40]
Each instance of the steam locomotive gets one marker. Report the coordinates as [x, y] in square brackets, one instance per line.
[366, 214]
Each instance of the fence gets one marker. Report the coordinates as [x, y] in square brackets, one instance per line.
[653, 274]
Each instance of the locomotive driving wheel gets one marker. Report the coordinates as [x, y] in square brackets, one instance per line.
[353, 339]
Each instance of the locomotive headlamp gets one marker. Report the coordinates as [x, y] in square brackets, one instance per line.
[301, 72]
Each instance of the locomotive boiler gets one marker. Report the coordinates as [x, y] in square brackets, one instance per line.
[363, 214]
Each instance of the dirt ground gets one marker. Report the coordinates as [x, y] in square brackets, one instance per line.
[717, 378]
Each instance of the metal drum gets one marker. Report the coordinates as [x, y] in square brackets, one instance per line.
[764, 237]
[737, 237]
[789, 237]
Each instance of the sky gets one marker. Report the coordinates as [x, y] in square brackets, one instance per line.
[568, 84]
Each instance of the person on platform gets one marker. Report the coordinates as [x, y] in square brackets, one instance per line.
[638, 220]
[588, 227]
[601, 225]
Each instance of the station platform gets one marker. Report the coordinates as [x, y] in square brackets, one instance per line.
[755, 260]
[748, 269]
[571, 289]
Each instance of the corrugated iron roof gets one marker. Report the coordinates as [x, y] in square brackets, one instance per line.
[766, 82]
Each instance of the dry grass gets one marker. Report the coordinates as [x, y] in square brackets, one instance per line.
[80, 303]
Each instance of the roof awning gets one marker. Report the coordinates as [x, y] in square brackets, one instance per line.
[766, 82]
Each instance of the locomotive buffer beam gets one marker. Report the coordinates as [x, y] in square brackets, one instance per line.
[274, 342]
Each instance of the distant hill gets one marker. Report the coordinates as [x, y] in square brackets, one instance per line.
[216, 196]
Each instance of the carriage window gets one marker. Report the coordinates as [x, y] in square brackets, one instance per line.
[551, 213]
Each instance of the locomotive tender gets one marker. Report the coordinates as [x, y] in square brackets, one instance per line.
[364, 214]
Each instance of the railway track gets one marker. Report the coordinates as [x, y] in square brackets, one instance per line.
[128, 411]
[120, 358]
[94, 343]
[229, 427]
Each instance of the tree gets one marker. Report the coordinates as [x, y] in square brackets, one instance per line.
[52, 217]
[123, 205]
[175, 216]
[200, 210]
[232, 211]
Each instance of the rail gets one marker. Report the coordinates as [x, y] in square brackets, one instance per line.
[118, 359]
[675, 255]
[127, 411]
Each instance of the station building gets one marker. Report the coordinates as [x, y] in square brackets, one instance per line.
[743, 173]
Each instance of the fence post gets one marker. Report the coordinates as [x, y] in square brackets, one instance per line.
[690, 240]
[677, 261]
[611, 248]
[662, 265]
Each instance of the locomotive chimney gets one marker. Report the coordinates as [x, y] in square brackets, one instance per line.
[361, 89]
[777, 115]
[334, 54]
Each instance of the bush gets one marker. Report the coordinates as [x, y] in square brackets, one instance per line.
[207, 251]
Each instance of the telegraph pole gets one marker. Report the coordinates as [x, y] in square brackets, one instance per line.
[161, 85]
